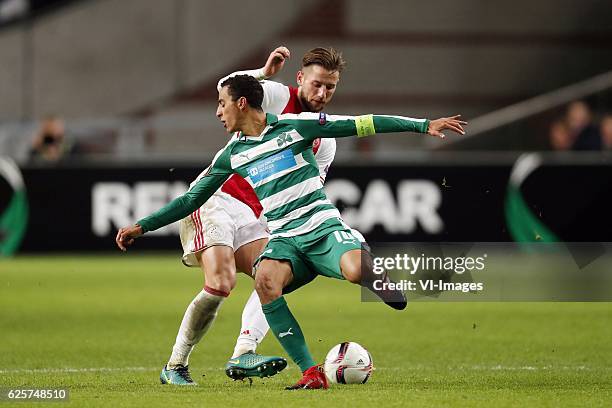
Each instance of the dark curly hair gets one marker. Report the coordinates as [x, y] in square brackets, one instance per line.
[245, 86]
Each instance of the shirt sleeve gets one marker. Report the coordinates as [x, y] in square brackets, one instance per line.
[325, 155]
[218, 172]
[313, 125]
[256, 73]
[276, 97]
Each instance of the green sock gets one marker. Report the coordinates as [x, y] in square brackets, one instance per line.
[288, 332]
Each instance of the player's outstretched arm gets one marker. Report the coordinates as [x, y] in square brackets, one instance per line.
[177, 209]
[181, 206]
[322, 125]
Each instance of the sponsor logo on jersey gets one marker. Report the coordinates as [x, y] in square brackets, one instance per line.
[283, 139]
[269, 166]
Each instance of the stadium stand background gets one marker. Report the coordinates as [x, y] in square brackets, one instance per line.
[139, 76]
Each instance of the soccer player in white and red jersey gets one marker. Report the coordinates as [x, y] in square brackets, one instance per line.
[227, 233]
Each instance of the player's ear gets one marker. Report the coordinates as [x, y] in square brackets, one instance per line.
[242, 103]
[300, 78]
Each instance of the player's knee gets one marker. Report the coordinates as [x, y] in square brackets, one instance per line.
[227, 279]
[228, 283]
[219, 268]
[350, 265]
[223, 278]
[352, 273]
[267, 288]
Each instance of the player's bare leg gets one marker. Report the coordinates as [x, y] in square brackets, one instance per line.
[272, 276]
[219, 267]
[247, 254]
[245, 362]
[357, 267]
[254, 324]
[350, 265]
[217, 263]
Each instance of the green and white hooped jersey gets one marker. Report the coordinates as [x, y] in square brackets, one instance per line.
[280, 166]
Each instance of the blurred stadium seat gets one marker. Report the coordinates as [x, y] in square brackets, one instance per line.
[156, 65]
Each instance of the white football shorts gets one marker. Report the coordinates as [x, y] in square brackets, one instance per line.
[222, 220]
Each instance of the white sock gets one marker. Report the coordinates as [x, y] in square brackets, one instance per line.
[198, 318]
[254, 326]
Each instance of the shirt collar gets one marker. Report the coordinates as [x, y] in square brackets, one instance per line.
[271, 120]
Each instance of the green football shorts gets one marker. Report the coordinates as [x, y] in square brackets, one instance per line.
[317, 252]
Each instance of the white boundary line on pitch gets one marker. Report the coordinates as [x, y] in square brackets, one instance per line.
[497, 368]
[417, 367]
[75, 370]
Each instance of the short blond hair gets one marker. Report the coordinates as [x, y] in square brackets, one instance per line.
[328, 58]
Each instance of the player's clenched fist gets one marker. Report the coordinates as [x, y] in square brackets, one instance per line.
[452, 123]
[276, 61]
[125, 236]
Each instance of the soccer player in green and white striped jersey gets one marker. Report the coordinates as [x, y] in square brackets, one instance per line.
[307, 237]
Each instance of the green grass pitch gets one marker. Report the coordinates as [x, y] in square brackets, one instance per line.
[103, 326]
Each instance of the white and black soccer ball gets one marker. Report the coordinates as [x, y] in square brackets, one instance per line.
[348, 363]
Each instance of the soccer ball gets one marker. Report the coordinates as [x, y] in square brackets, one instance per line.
[348, 363]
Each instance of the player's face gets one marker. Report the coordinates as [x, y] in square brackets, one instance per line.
[228, 111]
[317, 87]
